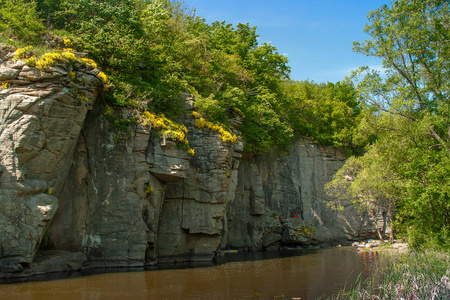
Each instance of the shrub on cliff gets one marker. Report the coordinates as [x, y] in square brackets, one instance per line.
[19, 19]
[152, 51]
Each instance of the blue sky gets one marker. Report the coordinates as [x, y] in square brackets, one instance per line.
[315, 35]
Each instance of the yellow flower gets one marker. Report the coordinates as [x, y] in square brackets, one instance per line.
[200, 123]
[67, 42]
[47, 60]
[69, 55]
[90, 62]
[20, 53]
[170, 129]
[31, 61]
[107, 110]
[83, 98]
[225, 135]
[191, 152]
[102, 76]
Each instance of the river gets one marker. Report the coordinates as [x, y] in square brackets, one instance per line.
[306, 275]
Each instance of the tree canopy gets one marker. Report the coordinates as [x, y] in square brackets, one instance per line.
[153, 51]
[406, 120]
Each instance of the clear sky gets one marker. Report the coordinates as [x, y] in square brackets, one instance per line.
[315, 35]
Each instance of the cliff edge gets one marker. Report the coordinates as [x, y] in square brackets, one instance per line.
[69, 184]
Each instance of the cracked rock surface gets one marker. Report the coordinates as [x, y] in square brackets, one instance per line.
[41, 117]
[97, 197]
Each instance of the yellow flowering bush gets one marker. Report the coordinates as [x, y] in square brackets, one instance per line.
[191, 152]
[168, 128]
[102, 76]
[306, 231]
[21, 52]
[31, 61]
[225, 135]
[47, 60]
[83, 98]
[67, 42]
[50, 58]
[148, 189]
[89, 61]
[107, 111]
[69, 55]
[200, 123]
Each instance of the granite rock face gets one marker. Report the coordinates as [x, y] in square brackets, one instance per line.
[142, 199]
[280, 200]
[41, 116]
[193, 221]
[102, 197]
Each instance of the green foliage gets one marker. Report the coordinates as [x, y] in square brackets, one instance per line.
[406, 119]
[153, 51]
[416, 275]
[328, 113]
[19, 20]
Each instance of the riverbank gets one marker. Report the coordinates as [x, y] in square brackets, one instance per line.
[398, 247]
[409, 275]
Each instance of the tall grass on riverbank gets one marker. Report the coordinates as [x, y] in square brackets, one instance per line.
[416, 275]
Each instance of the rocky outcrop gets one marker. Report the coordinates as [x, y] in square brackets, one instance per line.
[41, 116]
[193, 221]
[101, 197]
[280, 200]
[143, 199]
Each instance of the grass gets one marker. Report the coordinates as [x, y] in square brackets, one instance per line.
[416, 275]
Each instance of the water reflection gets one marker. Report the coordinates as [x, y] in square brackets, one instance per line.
[305, 276]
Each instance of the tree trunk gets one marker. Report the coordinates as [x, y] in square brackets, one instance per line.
[375, 221]
[379, 233]
[391, 222]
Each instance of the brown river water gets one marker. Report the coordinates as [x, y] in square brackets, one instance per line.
[307, 275]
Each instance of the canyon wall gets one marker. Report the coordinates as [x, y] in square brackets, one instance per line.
[76, 192]
[280, 200]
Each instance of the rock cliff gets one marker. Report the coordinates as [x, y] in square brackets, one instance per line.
[68, 183]
[41, 117]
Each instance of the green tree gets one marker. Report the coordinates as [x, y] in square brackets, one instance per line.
[153, 51]
[19, 19]
[371, 183]
[245, 76]
[327, 113]
[407, 114]
[47, 9]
